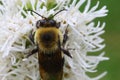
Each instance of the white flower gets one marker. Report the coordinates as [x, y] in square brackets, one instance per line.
[84, 37]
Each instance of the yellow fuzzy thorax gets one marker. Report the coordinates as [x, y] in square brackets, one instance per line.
[54, 44]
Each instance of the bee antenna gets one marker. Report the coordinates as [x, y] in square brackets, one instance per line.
[59, 12]
[35, 13]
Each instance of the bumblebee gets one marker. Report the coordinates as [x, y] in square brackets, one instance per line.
[49, 41]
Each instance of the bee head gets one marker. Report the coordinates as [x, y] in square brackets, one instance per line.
[47, 23]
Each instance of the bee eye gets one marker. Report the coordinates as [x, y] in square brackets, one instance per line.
[52, 23]
[40, 23]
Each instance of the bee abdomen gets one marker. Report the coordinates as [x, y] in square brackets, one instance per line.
[51, 67]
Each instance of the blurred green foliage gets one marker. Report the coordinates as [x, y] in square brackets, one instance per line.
[111, 36]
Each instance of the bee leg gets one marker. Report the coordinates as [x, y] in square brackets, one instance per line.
[63, 50]
[31, 37]
[65, 37]
[32, 52]
[66, 52]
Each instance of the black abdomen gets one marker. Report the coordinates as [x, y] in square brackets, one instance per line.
[51, 65]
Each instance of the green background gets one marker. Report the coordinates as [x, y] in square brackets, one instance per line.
[111, 36]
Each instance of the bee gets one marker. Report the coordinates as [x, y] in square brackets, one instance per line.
[49, 42]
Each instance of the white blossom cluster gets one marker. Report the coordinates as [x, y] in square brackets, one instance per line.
[84, 37]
